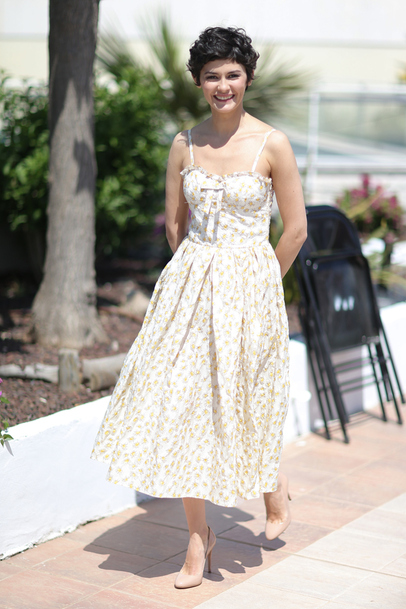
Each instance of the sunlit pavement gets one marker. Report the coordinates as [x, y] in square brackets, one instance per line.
[345, 548]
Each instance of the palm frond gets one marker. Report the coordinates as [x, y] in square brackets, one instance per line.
[113, 54]
[275, 84]
[185, 101]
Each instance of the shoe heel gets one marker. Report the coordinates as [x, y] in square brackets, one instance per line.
[209, 561]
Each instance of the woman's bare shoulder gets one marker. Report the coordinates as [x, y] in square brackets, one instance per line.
[256, 126]
[277, 141]
[178, 154]
[181, 140]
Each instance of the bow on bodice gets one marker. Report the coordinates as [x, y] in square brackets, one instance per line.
[213, 195]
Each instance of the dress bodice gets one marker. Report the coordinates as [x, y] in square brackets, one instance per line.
[232, 210]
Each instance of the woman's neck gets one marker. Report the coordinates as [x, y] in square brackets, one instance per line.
[227, 124]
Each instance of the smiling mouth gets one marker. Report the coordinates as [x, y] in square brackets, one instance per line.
[223, 97]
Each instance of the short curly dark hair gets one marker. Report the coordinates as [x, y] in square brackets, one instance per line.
[222, 43]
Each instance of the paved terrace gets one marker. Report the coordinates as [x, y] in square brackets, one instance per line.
[345, 549]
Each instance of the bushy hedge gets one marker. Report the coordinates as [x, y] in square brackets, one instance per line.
[24, 157]
[131, 151]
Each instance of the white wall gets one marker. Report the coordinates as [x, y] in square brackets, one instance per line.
[49, 484]
[394, 322]
[330, 21]
[346, 41]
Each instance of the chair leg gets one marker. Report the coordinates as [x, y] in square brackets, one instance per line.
[384, 417]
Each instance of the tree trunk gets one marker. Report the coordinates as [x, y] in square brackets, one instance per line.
[64, 309]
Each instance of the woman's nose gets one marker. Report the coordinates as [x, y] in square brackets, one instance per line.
[223, 84]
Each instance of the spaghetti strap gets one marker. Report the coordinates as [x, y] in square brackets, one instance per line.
[189, 136]
[261, 149]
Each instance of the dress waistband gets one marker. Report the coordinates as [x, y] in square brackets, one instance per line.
[220, 245]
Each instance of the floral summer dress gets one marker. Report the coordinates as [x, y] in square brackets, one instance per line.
[199, 407]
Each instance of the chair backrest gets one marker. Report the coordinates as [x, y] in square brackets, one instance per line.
[345, 301]
[334, 277]
[330, 233]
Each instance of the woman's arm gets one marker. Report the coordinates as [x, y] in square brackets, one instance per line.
[289, 195]
[176, 209]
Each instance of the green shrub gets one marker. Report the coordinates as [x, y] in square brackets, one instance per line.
[375, 213]
[131, 151]
[24, 155]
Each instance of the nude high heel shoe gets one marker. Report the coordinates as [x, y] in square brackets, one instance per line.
[274, 529]
[190, 581]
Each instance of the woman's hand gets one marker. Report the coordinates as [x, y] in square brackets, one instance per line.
[176, 209]
[289, 195]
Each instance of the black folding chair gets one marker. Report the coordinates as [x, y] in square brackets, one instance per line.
[338, 311]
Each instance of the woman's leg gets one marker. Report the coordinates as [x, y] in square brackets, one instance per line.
[195, 511]
[278, 515]
[275, 502]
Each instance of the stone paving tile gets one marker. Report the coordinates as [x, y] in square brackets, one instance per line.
[380, 524]
[33, 590]
[237, 561]
[144, 539]
[356, 488]
[7, 569]
[325, 511]
[295, 449]
[333, 460]
[389, 471]
[396, 567]
[334, 605]
[377, 590]
[43, 552]
[397, 505]
[379, 432]
[112, 599]
[297, 536]
[356, 550]
[310, 577]
[256, 596]
[248, 509]
[87, 532]
[156, 584]
[304, 480]
[168, 511]
[95, 568]
[131, 559]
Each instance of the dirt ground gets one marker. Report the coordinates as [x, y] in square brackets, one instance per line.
[29, 399]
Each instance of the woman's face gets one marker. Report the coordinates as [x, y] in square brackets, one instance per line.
[223, 82]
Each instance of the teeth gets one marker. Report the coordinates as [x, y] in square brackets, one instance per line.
[223, 98]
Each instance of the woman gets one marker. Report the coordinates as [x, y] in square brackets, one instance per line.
[199, 408]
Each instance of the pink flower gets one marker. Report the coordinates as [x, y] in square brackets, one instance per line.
[365, 181]
[159, 225]
[389, 238]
